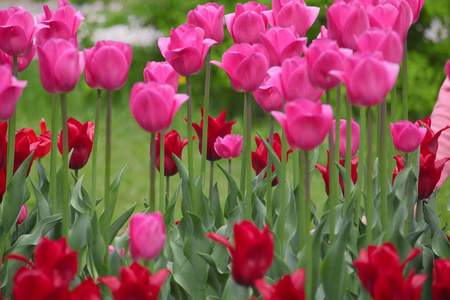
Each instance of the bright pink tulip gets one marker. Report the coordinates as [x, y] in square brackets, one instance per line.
[282, 43]
[387, 42]
[292, 80]
[367, 78]
[230, 146]
[3, 143]
[416, 7]
[186, 49]
[17, 31]
[268, 96]
[246, 65]
[343, 140]
[23, 61]
[23, 215]
[10, 91]
[62, 24]
[154, 104]
[286, 13]
[147, 235]
[60, 65]
[107, 65]
[161, 72]
[407, 136]
[247, 23]
[392, 14]
[208, 17]
[323, 56]
[112, 248]
[345, 22]
[447, 68]
[305, 123]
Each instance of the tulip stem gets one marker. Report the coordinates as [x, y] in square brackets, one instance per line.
[244, 157]
[152, 172]
[348, 160]
[382, 177]
[248, 153]
[409, 223]
[282, 183]
[167, 191]
[405, 80]
[332, 176]
[362, 124]
[269, 174]
[161, 172]
[369, 196]
[390, 149]
[304, 213]
[108, 209]
[65, 168]
[229, 171]
[53, 156]
[11, 134]
[190, 145]
[206, 113]
[211, 179]
[94, 149]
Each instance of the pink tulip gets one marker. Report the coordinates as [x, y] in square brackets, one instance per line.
[343, 137]
[112, 248]
[387, 42]
[23, 61]
[230, 146]
[60, 65]
[147, 235]
[392, 14]
[10, 91]
[286, 13]
[323, 56]
[305, 123]
[447, 68]
[154, 104]
[247, 23]
[161, 72]
[17, 31]
[208, 17]
[186, 49]
[346, 22]
[23, 215]
[246, 65]
[416, 7]
[292, 80]
[107, 65]
[407, 136]
[62, 24]
[367, 78]
[323, 33]
[268, 96]
[282, 43]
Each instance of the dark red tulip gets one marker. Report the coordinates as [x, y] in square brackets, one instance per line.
[86, 290]
[172, 145]
[252, 253]
[3, 143]
[2, 182]
[40, 144]
[289, 287]
[135, 283]
[23, 148]
[441, 280]
[216, 128]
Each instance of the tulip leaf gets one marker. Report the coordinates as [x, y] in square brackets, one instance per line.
[216, 207]
[78, 232]
[259, 211]
[205, 214]
[185, 188]
[43, 181]
[234, 291]
[120, 222]
[398, 222]
[440, 245]
[431, 219]
[216, 279]
[170, 211]
[97, 245]
[41, 202]
[273, 156]
[76, 200]
[231, 201]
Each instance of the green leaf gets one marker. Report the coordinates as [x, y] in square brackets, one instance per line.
[185, 188]
[43, 181]
[97, 245]
[41, 202]
[431, 219]
[78, 232]
[118, 224]
[216, 208]
[259, 211]
[440, 245]
[76, 200]
[234, 291]
[170, 211]
[216, 279]
[231, 201]
[400, 216]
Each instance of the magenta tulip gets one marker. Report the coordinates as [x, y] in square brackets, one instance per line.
[10, 91]
[416, 7]
[305, 123]
[246, 65]
[447, 68]
[107, 65]
[286, 13]
[161, 72]
[23, 215]
[23, 61]
[282, 43]
[17, 30]
[186, 49]
[368, 79]
[230, 146]
[292, 80]
[147, 235]
[154, 104]
[60, 65]
[247, 23]
[392, 14]
[407, 136]
[387, 42]
[208, 17]
[268, 96]
[323, 56]
[355, 130]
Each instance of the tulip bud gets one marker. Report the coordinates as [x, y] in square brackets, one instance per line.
[147, 235]
[230, 146]
[23, 215]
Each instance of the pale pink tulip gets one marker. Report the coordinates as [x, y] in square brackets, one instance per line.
[268, 96]
[208, 17]
[391, 14]
[247, 23]
[230, 146]
[154, 104]
[407, 136]
[147, 235]
[305, 123]
[387, 42]
[23, 61]
[161, 72]
[10, 91]
[355, 130]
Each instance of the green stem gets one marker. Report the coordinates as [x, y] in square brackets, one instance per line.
[383, 176]
[161, 172]
[53, 155]
[282, 183]
[211, 179]
[405, 81]
[152, 197]
[244, 156]
[108, 208]
[269, 174]
[11, 135]
[94, 149]
[333, 176]
[248, 153]
[205, 113]
[360, 182]
[191, 145]
[348, 160]
[65, 168]
[410, 201]
[306, 218]
[229, 171]
[369, 196]
[392, 117]
[167, 191]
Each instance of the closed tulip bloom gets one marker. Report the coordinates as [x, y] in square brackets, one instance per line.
[10, 91]
[416, 7]
[147, 235]
[252, 253]
[407, 136]
[161, 72]
[247, 23]
[60, 65]
[107, 65]
[172, 145]
[289, 287]
[268, 96]
[154, 104]
[343, 137]
[367, 78]
[305, 123]
[17, 30]
[186, 49]
[387, 42]
[441, 280]
[208, 17]
[282, 43]
[23, 61]
[230, 146]
[23, 215]
[392, 14]
[22, 149]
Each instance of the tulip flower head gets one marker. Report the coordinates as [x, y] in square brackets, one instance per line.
[230, 146]
[172, 145]
[23, 61]
[161, 72]
[416, 7]
[23, 215]
[447, 68]
[147, 235]
[268, 96]
[208, 17]
[355, 130]
[407, 136]
[23, 148]
[247, 23]
[391, 14]
[10, 91]
[441, 281]
[288, 287]
[386, 42]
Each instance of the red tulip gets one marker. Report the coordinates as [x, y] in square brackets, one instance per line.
[147, 235]
[135, 282]
[10, 91]
[208, 17]
[172, 145]
[407, 136]
[86, 290]
[23, 61]
[230, 146]
[3, 143]
[216, 128]
[252, 253]
[80, 142]
[430, 143]
[381, 273]
[247, 23]
[41, 145]
[2, 182]
[441, 280]
[161, 72]
[386, 42]
[23, 148]
[289, 287]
